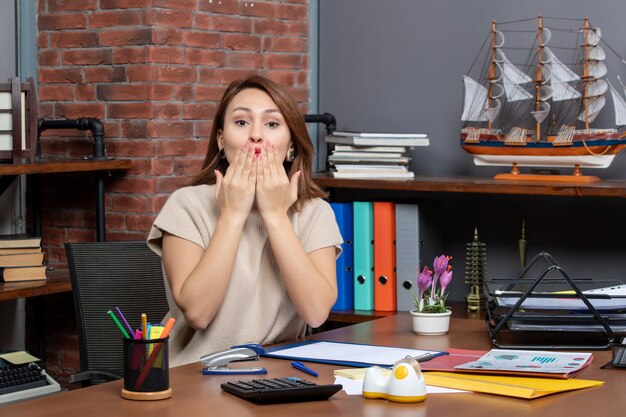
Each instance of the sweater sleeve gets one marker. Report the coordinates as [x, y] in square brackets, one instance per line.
[320, 230]
[180, 216]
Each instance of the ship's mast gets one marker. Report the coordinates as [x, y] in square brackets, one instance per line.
[492, 68]
[538, 78]
[586, 74]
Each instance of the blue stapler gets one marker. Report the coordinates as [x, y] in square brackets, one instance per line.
[216, 363]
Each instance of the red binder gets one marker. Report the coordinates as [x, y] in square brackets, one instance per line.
[384, 257]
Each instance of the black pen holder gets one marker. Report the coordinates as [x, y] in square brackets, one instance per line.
[146, 369]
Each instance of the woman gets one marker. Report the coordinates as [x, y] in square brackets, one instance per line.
[249, 248]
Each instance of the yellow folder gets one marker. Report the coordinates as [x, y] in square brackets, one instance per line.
[520, 387]
[358, 374]
[511, 386]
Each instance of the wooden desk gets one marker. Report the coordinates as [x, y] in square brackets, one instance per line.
[8, 172]
[198, 395]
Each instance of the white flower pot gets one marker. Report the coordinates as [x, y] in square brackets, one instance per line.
[431, 323]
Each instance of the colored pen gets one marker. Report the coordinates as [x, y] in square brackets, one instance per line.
[155, 352]
[119, 325]
[423, 357]
[144, 326]
[119, 313]
[302, 367]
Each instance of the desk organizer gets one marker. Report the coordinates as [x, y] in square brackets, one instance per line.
[554, 312]
[618, 359]
[146, 369]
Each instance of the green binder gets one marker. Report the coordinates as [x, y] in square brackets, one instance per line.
[363, 215]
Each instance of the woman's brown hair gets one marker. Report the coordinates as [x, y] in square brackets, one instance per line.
[300, 139]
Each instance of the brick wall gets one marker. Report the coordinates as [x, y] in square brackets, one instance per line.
[153, 71]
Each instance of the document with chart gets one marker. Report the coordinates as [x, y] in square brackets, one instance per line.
[537, 362]
[540, 363]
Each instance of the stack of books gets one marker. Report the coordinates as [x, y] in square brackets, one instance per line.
[21, 258]
[372, 155]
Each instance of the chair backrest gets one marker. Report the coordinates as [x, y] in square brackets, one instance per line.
[106, 275]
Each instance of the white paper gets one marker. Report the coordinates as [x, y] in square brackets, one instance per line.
[570, 303]
[355, 387]
[350, 352]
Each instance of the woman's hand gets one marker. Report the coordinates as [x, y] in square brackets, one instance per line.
[275, 192]
[235, 191]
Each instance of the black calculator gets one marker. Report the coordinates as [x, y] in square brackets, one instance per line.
[280, 390]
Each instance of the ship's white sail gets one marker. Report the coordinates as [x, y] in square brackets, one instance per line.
[558, 69]
[597, 69]
[546, 92]
[563, 91]
[559, 75]
[546, 35]
[594, 36]
[475, 101]
[619, 105]
[596, 87]
[512, 79]
[540, 115]
[597, 53]
[595, 105]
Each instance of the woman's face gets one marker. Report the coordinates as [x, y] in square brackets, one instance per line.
[253, 117]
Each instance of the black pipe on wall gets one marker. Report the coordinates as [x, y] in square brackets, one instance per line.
[84, 123]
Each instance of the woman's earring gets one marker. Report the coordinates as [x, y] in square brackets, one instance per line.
[222, 153]
[291, 155]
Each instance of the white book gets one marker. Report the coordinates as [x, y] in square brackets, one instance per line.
[360, 167]
[378, 135]
[337, 158]
[350, 148]
[371, 171]
[366, 163]
[378, 141]
[369, 154]
[359, 175]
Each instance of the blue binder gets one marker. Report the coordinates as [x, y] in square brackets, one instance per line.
[363, 255]
[345, 288]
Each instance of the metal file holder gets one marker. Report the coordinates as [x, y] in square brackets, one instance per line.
[618, 360]
[573, 329]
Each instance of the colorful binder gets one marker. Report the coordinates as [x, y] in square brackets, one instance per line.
[345, 288]
[384, 256]
[363, 213]
[407, 254]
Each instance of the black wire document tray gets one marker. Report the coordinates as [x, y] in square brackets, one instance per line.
[553, 311]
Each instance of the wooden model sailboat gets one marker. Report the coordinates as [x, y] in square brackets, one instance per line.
[541, 114]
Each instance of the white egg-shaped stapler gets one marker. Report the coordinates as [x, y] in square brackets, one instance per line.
[405, 384]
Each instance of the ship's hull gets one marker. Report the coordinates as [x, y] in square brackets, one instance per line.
[599, 152]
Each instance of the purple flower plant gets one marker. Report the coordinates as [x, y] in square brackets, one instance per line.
[431, 299]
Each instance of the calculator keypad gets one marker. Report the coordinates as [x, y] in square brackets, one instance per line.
[279, 390]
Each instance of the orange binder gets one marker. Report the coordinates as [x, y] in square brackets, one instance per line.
[384, 256]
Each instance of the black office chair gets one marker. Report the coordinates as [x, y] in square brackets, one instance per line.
[106, 275]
